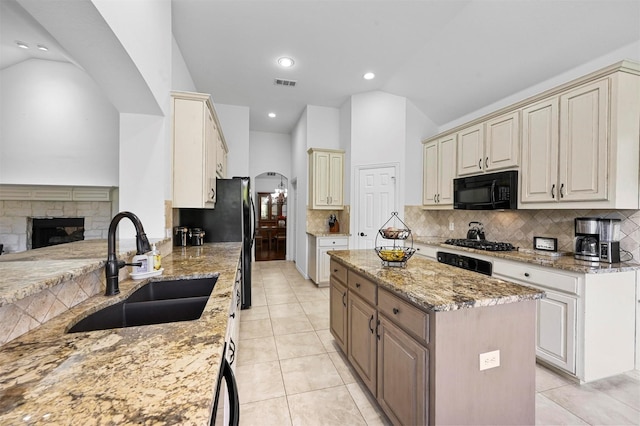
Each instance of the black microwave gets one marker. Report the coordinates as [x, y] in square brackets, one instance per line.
[490, 191]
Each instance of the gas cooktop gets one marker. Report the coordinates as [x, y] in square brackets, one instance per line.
[481, 244]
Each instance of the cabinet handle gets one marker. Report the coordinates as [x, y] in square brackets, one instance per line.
[233, 315]
[526, 274]
[344, 303]
[377, 327]
[396, 311]
[480, 164]
[486, 163]
[553, 191]
[371, 326]
[561, 191]
[438, 198]
[335, 270]
[357, 285]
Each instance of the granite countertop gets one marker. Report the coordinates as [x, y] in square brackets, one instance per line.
[328, 234]
[564, 262]
[154, 374]
[435, 286]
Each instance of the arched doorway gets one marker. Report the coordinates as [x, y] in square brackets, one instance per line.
[271, 193]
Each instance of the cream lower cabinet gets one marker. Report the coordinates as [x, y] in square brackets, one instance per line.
[194, 150]
[326, 179]
[319, 246]
[439, 170]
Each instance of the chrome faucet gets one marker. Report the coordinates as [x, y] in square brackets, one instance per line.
[114, 265]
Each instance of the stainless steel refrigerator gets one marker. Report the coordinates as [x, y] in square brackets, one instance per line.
[232, 219]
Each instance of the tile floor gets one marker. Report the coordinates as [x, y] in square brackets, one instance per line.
[290, 373]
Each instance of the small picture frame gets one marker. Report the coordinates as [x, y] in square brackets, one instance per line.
[545, 243]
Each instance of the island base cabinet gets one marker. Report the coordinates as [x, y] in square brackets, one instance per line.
[362, 340]
[402, 375]
[462, 393]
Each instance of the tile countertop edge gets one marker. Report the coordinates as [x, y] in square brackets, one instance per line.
[565, 263]
[161, 374]
[434, 286]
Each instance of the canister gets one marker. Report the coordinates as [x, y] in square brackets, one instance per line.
[197, 236]
[180, 235]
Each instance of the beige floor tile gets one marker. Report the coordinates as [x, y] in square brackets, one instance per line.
[253, 351]
[593, 406]
[366, 403]
[280, 298]
[311, 295]
[258, 382]
[307, 373]
[255, 329]
[255, 313]
[258, 298]
[550, 413]
[270, 412]
[327, 340]
[319, 321]
[546, 379]
[320, 306]
[347, 373]
[298, 344]
[312, 408]
[286, 310]
[289, 325]
[623, 388]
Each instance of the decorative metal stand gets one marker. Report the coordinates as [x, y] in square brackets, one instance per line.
[395, 230]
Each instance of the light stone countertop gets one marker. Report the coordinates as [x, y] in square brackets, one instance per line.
[435, 286]
[566, 263]
[328, 234]
[154, 374]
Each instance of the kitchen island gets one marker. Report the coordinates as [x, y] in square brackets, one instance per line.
[154, 374]
[436, 344]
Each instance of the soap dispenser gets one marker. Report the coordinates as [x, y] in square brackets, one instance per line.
[155, 260]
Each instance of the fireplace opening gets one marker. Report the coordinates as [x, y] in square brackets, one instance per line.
[53, 231]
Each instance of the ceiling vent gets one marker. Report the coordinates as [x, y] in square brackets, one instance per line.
[283, 82]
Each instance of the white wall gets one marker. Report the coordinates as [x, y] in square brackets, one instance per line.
[234, 121]
[180, 76]
[419, 127]
[323, 127]
[56, 127]
[299, 176]
[345, 143]
[269, 152]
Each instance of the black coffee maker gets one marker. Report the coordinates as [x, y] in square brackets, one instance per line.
[587, 240]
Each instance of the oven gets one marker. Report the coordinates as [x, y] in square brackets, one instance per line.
[490, 191]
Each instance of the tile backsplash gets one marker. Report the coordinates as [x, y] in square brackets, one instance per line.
[318, 220]
[518, 227]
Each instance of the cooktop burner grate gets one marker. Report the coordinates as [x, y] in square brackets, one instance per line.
[480, 244]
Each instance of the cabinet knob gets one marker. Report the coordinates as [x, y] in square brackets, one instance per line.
[396, 311]
[526, 274]
[357, 285]
[335, 270]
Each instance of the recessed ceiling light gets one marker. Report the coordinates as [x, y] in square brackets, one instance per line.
[22, 45]
[272, 115]
[43, 47]
[369, 76]
[285, 62]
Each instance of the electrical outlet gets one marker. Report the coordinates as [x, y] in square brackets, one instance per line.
[489, 360]
[451, 226]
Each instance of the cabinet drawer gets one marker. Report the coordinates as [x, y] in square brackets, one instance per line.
[407, 316]
[338, 271]
[333, 242]
[362, 287]
[425, 250]
[536, 276]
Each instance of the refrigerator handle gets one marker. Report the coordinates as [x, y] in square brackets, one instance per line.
[253, 221]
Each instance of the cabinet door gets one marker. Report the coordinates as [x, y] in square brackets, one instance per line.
[402, 376]
[335, 179]
[470, 150]
[502, 142]
[583, 142]
[555, 336]
[446, 169]
[211, 148]
[321, 162]
[362, 340]
[323, 261]
[430, 173]
[540, 152]
[338, 313]
[189, 155]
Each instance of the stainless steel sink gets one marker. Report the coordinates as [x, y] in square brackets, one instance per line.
[157, 302]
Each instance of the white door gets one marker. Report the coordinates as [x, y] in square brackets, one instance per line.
[376, 202]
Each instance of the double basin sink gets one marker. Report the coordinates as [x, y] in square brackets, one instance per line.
[157, 302]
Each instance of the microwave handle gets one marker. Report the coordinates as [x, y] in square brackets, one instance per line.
[493, 194]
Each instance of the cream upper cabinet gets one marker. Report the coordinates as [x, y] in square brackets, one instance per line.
[326, 169]
[490, 145]
[439, 165]
[471, 150]
[194, 150]
[580, 146]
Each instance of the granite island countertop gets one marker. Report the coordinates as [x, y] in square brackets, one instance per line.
[435, 286]
[155, 374]
[565, 262]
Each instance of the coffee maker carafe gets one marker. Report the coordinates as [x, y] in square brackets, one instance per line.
[587, 241]
[609, 244]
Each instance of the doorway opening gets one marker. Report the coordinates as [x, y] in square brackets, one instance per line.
[271, 194]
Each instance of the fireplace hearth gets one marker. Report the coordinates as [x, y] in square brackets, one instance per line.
[53, 231]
